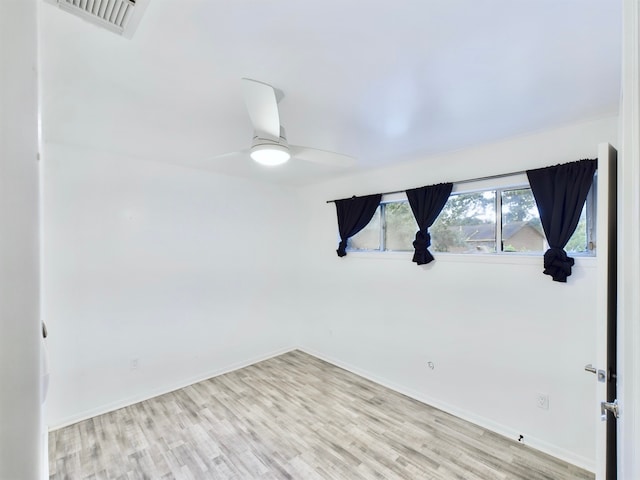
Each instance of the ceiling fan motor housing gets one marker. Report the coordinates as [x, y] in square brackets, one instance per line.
[268, 151]
[259, 141]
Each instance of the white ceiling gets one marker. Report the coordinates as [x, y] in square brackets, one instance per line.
[382, 81]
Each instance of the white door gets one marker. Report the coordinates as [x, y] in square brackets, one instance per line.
[605, 366]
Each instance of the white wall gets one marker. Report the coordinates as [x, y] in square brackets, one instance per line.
[498, 331]
[189, 272]
[20, 337]
[629, 248]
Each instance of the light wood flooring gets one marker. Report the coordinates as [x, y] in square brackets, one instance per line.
[291, 417]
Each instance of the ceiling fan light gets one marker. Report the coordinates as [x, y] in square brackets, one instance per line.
[270, 155]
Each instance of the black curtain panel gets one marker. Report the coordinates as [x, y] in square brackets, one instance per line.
[353, 215]
[426, 204]
[560, 192]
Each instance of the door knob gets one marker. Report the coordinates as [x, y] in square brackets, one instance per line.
[602, 375]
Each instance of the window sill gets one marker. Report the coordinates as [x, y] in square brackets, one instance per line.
[584, 261]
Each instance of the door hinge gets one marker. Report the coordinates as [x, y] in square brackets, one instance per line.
[609, 407]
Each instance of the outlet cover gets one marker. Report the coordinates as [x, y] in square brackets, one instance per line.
[542, 401]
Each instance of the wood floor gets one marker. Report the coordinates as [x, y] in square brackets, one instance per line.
[291, 417]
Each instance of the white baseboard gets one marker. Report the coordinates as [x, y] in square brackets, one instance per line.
[505, 431]
[110, 407]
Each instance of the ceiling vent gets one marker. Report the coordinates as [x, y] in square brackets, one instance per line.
[119, 16]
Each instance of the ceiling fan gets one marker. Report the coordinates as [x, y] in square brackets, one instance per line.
[269, 146]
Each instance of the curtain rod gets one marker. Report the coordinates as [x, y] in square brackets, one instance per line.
[470, 180]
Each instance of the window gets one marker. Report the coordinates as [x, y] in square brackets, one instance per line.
[400, 226]
[369, 237]
[467, 224]
[497, 220]
[392, 229]
[521, 227]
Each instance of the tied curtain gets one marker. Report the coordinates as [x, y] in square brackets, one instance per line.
[426, 204]
[560, 192]
[353, 215]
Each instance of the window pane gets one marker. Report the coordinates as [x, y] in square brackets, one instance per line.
[466, 224]
[369, 237]
[401, 227]
[578, 241]
[521, 227]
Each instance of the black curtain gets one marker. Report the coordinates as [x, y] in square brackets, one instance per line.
[353, 215]
[426, 204]
[560, 192]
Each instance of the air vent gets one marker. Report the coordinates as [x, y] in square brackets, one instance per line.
[119, 16]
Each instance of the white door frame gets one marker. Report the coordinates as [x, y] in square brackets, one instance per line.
[607, 166]
[629, 248]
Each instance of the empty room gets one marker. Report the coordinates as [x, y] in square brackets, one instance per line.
[295, 240]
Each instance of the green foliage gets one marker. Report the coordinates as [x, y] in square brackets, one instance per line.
[578, 241]
[518, 205]
[400, 213]
[465, 209]
[401, 226]
[443, 237]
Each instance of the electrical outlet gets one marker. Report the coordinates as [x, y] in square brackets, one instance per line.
[542, 401]
[133, 364]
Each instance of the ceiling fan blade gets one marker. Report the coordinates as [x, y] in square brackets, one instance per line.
[321, 156]
[243, 152]
[262, 105]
